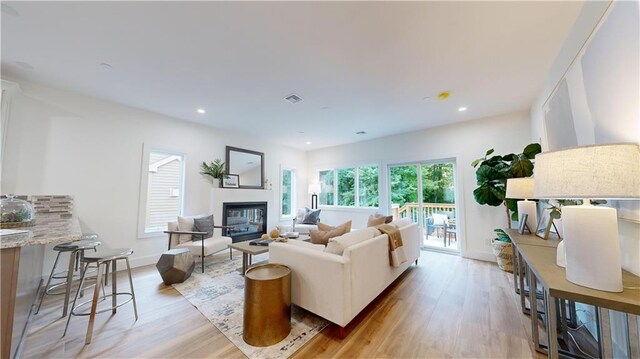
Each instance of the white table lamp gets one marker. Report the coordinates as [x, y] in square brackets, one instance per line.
[592, 246]
[314, 189]
[522, 188]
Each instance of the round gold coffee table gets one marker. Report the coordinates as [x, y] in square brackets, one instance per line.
[267, 304]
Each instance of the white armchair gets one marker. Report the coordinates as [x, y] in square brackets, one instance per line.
[198, 246]
[298, 226]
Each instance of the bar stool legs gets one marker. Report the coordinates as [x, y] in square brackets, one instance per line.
[67, 294]
[133, 294]
[94, 306]
[103, 259]
[76, 252]
[46, 287]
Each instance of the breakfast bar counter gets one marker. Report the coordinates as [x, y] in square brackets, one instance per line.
[22, 256]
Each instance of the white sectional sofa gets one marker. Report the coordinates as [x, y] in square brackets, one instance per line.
[337, 287]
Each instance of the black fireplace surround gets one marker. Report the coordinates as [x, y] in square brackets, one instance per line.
[248, 219]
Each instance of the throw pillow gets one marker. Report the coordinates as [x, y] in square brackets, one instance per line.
[326, 227]
[302, 212]
[387, 219]
[204, 224]
[374, 221]
[311, 217]
[322, 237]
[185, 224]
[337, 245]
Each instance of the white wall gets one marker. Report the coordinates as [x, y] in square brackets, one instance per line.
[60, 142]
[588, 21]
[629, 231]
[463, 142]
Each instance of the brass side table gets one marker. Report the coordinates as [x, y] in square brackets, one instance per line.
[267, 304]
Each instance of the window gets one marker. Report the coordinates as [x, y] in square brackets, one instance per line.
[326, 187]
[355, 186]
[161, 195]
[368, 186]
[346, 187]
[288, 191]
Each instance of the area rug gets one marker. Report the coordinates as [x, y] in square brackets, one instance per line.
[218, 294]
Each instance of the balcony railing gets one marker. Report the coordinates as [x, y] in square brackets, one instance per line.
[411, 210]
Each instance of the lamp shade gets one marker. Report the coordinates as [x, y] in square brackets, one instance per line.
[520, 188]
[610, 171]
[314, 188]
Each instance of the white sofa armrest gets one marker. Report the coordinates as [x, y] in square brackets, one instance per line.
[320, 282]
[370, 268]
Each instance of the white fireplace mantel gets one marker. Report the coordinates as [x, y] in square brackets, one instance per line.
[222, 195]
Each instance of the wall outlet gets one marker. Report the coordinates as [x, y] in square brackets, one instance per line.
[488, 242]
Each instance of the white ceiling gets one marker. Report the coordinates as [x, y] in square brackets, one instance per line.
[357, 65]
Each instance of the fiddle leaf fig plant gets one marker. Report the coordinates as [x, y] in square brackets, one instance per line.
[492, 174]
[214, 170]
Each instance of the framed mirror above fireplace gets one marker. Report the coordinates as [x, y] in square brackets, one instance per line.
[248, 165]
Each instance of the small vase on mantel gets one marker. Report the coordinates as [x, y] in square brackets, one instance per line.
[216, 183]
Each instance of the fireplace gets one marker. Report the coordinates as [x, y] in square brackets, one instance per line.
[247, 219]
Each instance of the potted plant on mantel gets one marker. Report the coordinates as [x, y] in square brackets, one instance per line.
[215, 170]
[492, 175]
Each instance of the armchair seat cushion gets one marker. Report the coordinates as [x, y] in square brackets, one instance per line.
[211, 245]
[304, 228]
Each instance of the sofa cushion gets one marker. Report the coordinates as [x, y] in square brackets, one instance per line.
[326, 227]
[401, 222]
[337, 245]
[305, 228]
[211, 245]
[204, 224]
[322, 237]
[312, 217]
[299, 243]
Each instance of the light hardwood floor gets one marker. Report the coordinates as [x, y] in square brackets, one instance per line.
[446, 307]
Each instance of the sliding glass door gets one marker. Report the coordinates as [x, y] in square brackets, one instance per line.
[425, 193]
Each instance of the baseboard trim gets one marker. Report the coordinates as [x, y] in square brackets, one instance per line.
[144, 261]
[481, 256]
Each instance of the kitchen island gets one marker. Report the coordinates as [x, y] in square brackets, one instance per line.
[21, 261]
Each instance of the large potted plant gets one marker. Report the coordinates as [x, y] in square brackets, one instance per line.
[492, 174]
[215, 170]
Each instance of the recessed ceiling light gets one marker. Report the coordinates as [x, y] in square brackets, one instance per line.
[106, 66]
[293, 98]
[426, 98]
[325, 107]
[9, 10]
[300, 132]
[462, 109]
[24, 65]
[308, 142]
[201, 111]
[361, 133]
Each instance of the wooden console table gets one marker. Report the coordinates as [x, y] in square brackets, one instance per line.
[539, 256]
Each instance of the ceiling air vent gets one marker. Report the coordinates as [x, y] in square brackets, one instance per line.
[293, 98]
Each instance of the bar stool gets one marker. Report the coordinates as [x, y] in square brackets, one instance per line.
[100, 258]
[76, 252]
